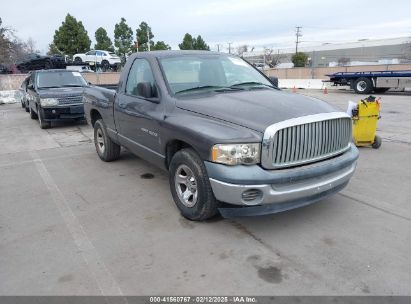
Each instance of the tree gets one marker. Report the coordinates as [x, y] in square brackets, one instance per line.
[30, 46]
[242, 49]
[160, 46]
[53, 50]
[188, 42]
[103, 41]
[343, 61]
[299, 59]
[199, 44]
[11, 47]
[71, 37]
[144, 37]
[123, 39]
[5, 45]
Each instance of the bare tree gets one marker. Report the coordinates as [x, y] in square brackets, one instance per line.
[11, 47]
[343, 61]
[273, 58]
[30, 46]
[242, 49]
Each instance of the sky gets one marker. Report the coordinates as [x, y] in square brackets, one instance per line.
[257, 23]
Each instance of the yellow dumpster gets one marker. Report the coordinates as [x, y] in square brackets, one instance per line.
[364, 120]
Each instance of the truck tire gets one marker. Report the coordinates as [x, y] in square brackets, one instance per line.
[190, 186]
[32, 114]
[43, 124]
[78, 60]
[106, 149]
[363, 86]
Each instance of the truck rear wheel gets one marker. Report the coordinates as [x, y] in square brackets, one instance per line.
[190, 186]
[106, 149]
[363, 86]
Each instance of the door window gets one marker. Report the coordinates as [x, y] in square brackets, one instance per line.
[140, 72]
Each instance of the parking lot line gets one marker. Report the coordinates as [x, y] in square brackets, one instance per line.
[379, 206]
[104, 279]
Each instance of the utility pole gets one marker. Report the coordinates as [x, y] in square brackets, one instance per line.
[298, 34]
[148, 39]
[229, 47]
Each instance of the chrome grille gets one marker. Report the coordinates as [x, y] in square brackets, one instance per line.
[306, 139]
[70, 99]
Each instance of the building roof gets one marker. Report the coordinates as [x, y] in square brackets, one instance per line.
[338, 46]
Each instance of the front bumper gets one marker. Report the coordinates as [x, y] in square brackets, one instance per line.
[75, 111]
[279, 190]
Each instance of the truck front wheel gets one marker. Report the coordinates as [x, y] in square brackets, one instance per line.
[191, 187]
[106, 149]
[363, 86]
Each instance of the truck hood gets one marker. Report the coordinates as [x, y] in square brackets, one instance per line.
[255, 109]
[59, 92]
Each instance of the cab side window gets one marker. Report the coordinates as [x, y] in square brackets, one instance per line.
[140, 72]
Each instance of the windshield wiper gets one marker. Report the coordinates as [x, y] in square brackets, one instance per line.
[251, 83]
[71, 85]
[198, 88]
[215, 88]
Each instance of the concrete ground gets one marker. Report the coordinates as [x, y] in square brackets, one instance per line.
[71, 224]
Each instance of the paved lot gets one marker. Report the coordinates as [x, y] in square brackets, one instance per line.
[71, 224]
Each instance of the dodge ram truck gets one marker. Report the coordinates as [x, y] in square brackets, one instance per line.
[231, 141]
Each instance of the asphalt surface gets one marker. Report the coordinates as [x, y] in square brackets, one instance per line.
[71, 224]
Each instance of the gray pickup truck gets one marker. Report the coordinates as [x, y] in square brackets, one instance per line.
[230, 140]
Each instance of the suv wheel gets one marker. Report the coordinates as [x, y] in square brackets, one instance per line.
[190, 186]
[33, 115]
[43, 124]
[78, 60]
[106, 149]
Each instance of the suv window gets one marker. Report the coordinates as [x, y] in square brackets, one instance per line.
[140, 72]
[91, 53]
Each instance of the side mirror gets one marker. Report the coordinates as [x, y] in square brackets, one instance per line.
[145, 89]
[274, 80]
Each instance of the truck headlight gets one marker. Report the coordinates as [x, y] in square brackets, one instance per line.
[48, 102]
[236, 154]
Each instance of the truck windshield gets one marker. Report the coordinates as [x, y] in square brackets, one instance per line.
[59, 80]
[194, 73]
